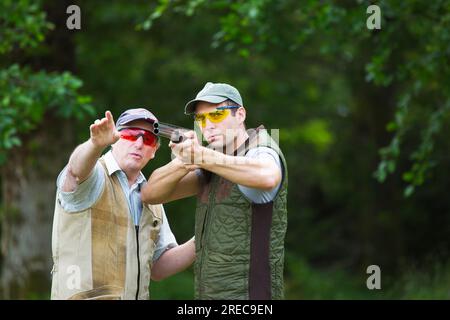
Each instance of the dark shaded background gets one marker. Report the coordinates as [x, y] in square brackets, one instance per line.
[363, 118]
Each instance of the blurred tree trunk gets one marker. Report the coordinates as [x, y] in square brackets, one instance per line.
[375, 106]
[28, 203]
[29, 180]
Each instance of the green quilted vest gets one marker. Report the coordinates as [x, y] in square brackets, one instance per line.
[240, 244]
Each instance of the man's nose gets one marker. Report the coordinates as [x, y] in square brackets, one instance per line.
[209, 124]
[139, 142]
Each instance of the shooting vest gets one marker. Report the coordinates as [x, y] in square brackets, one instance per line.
[99, 253]
[240, 244]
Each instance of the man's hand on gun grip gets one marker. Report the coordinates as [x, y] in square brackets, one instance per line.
[190, 152]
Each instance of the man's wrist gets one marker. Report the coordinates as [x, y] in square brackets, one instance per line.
[98, 149]
[179, 165]
[210, 158]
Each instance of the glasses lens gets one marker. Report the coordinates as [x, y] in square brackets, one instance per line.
[128, 135]
[132, 134]
[217, 116]
[200, 118]
[150, 139]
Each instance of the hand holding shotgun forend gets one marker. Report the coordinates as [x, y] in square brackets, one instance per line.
[169, 131]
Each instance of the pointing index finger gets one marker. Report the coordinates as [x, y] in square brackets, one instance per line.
[109, 116]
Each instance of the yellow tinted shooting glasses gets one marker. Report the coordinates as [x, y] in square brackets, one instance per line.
[215, 116]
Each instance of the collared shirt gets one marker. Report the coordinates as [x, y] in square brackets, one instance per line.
[88, 192]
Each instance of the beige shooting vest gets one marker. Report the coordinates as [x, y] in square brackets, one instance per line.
[98, 253]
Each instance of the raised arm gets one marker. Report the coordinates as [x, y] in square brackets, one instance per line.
[83, 159]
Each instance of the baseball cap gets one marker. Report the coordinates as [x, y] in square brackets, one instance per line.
[214, 93]
[135, 114]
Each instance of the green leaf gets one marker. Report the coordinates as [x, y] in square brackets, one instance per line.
[408, 191]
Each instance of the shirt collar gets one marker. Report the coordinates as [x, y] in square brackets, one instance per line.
[112, 166]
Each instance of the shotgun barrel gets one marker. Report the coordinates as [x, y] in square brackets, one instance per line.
[170, 131]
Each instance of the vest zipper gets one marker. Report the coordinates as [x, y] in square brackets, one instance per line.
[138, 261]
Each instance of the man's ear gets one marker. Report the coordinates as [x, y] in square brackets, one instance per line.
[156, 149]
[241, 114]
[158, 144]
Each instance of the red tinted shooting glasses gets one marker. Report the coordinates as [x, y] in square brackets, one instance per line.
[132, 134]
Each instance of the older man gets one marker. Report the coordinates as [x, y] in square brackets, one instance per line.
[106, 244]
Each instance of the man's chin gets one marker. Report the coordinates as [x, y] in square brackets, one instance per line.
[221, 147]
[135, 164]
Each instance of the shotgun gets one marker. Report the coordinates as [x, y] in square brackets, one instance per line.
[169, 131]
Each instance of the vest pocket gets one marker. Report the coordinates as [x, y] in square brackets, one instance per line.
[226, 280]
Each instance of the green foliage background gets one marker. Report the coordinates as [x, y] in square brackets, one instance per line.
[363, 117]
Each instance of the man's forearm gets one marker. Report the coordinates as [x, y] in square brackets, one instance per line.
[163, 182]
[81, 163]
[103, 133]
[252, 173]
[174, 260]
[84, 158]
